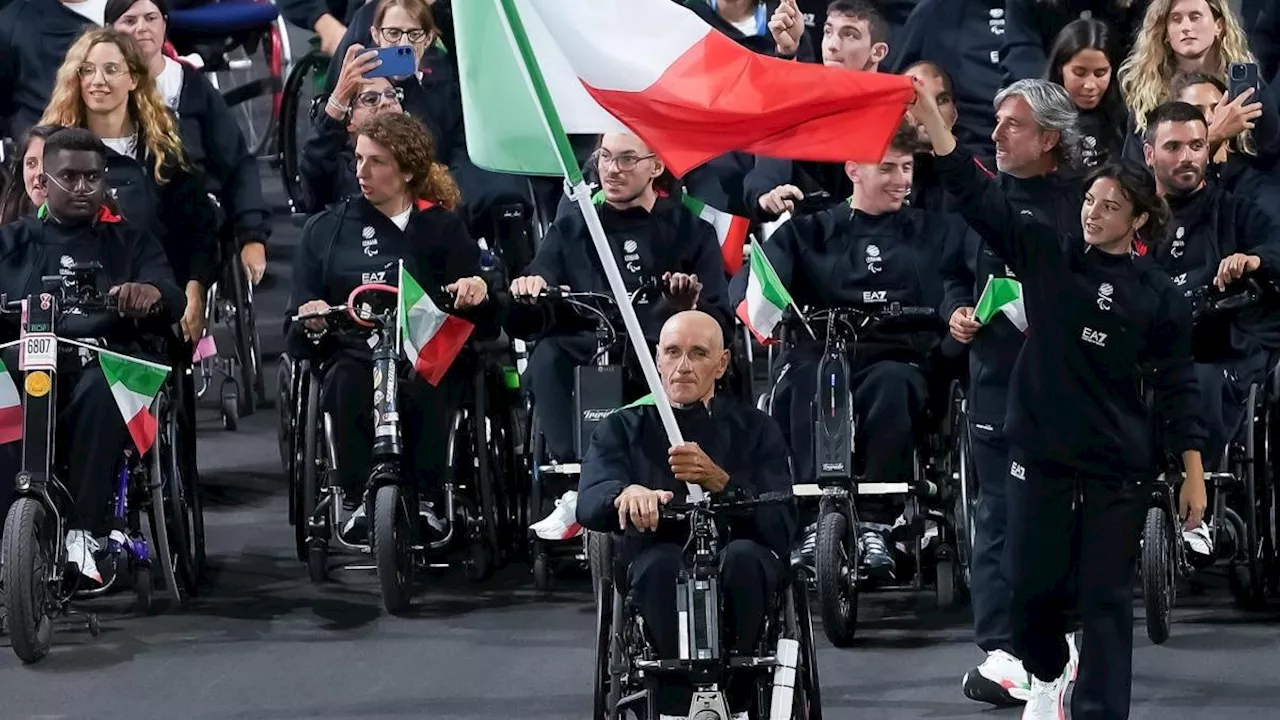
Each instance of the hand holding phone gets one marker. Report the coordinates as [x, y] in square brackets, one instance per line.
[1242, 76]
[398, 61]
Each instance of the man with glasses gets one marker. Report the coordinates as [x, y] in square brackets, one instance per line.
[328, 158]
[653, 237]
[74, 228]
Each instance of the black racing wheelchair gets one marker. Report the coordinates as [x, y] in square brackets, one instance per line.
[483, 502]
[162, 484]
[937, 503]
[628, 672]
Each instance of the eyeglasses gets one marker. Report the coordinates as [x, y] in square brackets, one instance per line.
[625, 162]
[393, 35]
[374, 98]
[110, 71]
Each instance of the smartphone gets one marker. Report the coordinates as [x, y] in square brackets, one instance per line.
[398, 61]
[813, 202]
[1241, 76]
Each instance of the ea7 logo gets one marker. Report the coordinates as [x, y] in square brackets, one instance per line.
[1018, 471]
[373, 277]
[875, 296]
[1180, 279]
[1093, 337]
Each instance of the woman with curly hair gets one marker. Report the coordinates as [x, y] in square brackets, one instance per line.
[1194, 36]
[104, 86]
[403, 212]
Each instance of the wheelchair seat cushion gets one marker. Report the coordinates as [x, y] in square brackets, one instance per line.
[221, 18]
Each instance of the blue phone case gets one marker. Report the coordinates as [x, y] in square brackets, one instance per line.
[397, 61]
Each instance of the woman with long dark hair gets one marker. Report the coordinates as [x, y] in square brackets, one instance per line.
[28, 164]
[1081, 61]
[1103, 322]
[1031, 26]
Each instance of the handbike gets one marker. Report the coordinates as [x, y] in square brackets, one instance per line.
[599, 389]
[629, 674]
[397, 541]
[837, 550]
[33, 556]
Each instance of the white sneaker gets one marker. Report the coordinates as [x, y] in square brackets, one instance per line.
[1046, 701]
[1073, 658]
[562, 523]
[1198, 540]
[1000, 680]
[736, 716]
[80, 549]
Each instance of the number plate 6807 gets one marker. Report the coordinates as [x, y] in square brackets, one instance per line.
[39, 352]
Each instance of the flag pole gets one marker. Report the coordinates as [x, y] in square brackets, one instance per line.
[580, 193]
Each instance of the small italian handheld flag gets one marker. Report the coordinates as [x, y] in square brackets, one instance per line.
[134, 384]
[432, 337]
[10, 408]
[731, 231]
[767, 298]
[1004, 296]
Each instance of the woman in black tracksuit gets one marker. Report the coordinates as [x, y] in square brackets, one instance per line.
[404, 212]
[1081, 433]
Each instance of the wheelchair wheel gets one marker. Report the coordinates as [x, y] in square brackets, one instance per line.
[27, 558]
[284, 418]
[966, 503]
[604, 703]
[245, 330]
[1247, 579]
[837, 587]
[1159, 573]
[307, 444]
[808, 696]
[171, 498]
[143, 590]
[600, 558]
[249, 78]
[395, 514]
[304, 84]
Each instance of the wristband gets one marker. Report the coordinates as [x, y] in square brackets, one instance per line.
[345, 110]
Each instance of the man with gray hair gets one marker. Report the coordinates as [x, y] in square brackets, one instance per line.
[1035, 140]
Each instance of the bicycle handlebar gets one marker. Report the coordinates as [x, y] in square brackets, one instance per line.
[1208, 300]
[712, 506]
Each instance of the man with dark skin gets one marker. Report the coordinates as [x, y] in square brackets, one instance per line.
[75, 227]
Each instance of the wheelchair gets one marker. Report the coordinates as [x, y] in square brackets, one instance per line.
[628, 673]
[162, 484]
[930, 499]
[244, 47]
[1241, 500]
[242, 385]
[482, 501]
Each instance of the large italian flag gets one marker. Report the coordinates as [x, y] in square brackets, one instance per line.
[10, 407]
[767, 298]
[655, 67]
[134, 385]
[731, 231]
[432, 337]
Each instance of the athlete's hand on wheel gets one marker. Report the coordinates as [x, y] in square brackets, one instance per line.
[691, 465]
[192, 322]
[468, 292]
[314, 307]
[1192, 501]
[963, 327]
[253, 256]
[639, 505]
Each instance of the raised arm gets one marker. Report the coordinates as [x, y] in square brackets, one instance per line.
[1017, 238]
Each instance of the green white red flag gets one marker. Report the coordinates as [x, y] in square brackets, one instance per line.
[10, 407]
[134, 385]
[432, 337]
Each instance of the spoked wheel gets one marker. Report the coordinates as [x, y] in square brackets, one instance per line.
[27, 557]
[1247, 573]
[808, 696]
[304, 84]
[600, 559]
[1159, 573]
[307, 446]
[249, 79]
[837, 588]
[395, 514]
[244, 328]
[966, 504]
[604, 645]
[191, 493]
